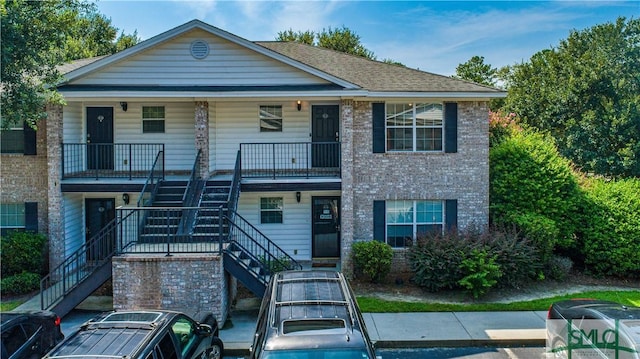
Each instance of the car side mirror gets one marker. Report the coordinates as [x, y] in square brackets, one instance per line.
[205, 330]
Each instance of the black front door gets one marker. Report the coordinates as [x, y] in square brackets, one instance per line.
[325, 135]
[99, 212]
[326, 227]
[100, 138]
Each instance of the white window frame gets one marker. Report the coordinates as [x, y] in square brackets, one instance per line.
[274, 210]
[147, 119]
[263, 111]
[415, 223]
[414, 126]
[12, 215]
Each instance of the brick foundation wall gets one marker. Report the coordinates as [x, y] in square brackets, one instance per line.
[193, 284]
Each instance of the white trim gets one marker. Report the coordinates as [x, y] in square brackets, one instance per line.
[450, 96]
[197, 24]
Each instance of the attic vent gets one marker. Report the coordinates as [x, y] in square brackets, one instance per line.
[199, 49]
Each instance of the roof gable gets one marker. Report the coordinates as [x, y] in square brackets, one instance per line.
[166, 60]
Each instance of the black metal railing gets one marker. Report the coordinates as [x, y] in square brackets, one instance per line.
[295, 159]
[234, 191]
[257, 246]
[108, 160]
[154, 176]
[90, 256]
[191, 197]
[155, 230]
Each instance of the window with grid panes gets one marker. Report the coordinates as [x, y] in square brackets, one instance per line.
[153, 119]
[271, 210]
[414, 127]
[407, 220]
[271, 118]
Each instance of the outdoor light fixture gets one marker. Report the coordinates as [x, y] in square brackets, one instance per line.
[125, 198]
[299, 105]
[124, 106]
[298, 195]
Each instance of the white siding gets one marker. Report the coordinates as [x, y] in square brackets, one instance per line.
[179, 135]
[238, 122]
[227, 64]
[73, 222]
[73, 123]
[294, 234]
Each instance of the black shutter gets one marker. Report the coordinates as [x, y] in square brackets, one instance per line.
[451, 127]
[451, 214]
[31, 217]
[379, 224]
[29, 140]
[378, 127]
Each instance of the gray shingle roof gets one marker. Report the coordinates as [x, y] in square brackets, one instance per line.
[373, 75]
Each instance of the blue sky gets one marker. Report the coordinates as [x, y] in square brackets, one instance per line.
[433, 36]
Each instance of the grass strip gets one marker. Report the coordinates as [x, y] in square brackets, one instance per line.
[376, 305]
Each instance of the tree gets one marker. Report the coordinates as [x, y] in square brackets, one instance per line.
[586, 94]
[37, 36]
[342, 39]
[306, 37]
[477, 71]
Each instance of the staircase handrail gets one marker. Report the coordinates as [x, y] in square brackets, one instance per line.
[75, 268]
[189, 192]
[234, 192]
[272, 252]
[150, 180]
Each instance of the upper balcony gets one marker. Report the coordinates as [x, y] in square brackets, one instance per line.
[258, 161]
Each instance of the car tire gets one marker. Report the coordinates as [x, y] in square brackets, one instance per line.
[217, 349]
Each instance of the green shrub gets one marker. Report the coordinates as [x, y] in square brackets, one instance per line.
[373, 258]
[558, 267]
[436, 258]
[276, 265]
[529, 178]
[481, 272]
[23, 252]
[518, 257]
[18, 284]
[610, 239]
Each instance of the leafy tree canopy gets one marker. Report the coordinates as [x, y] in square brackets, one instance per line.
[39, 35]
[586, 94]
[340, 39]
[477, 71]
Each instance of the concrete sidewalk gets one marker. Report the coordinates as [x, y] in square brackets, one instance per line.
[411, 330]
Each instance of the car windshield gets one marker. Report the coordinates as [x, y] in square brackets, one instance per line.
[317, 354]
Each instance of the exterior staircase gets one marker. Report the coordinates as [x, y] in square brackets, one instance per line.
[208, 216]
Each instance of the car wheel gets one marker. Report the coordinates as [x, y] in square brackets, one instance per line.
[216, 349]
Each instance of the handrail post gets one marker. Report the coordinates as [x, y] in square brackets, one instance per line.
[308, 159]
[163, 161]
[220, 231]
[273, 155]
[62, 159]
[130, 158]
[168, 234]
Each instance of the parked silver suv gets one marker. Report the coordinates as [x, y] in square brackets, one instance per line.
[310, 315]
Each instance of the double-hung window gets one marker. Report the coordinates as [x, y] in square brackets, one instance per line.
[271, 118]
[414, 127]
[408, 219]
[12, 216]
[271, 209]
[12, 140]
[153, 119]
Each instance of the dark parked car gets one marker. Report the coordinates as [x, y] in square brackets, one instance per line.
[586, 328]
[310, 314]
[145, 334]
[29, 334]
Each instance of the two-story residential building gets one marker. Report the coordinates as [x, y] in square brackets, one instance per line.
[190, 142]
